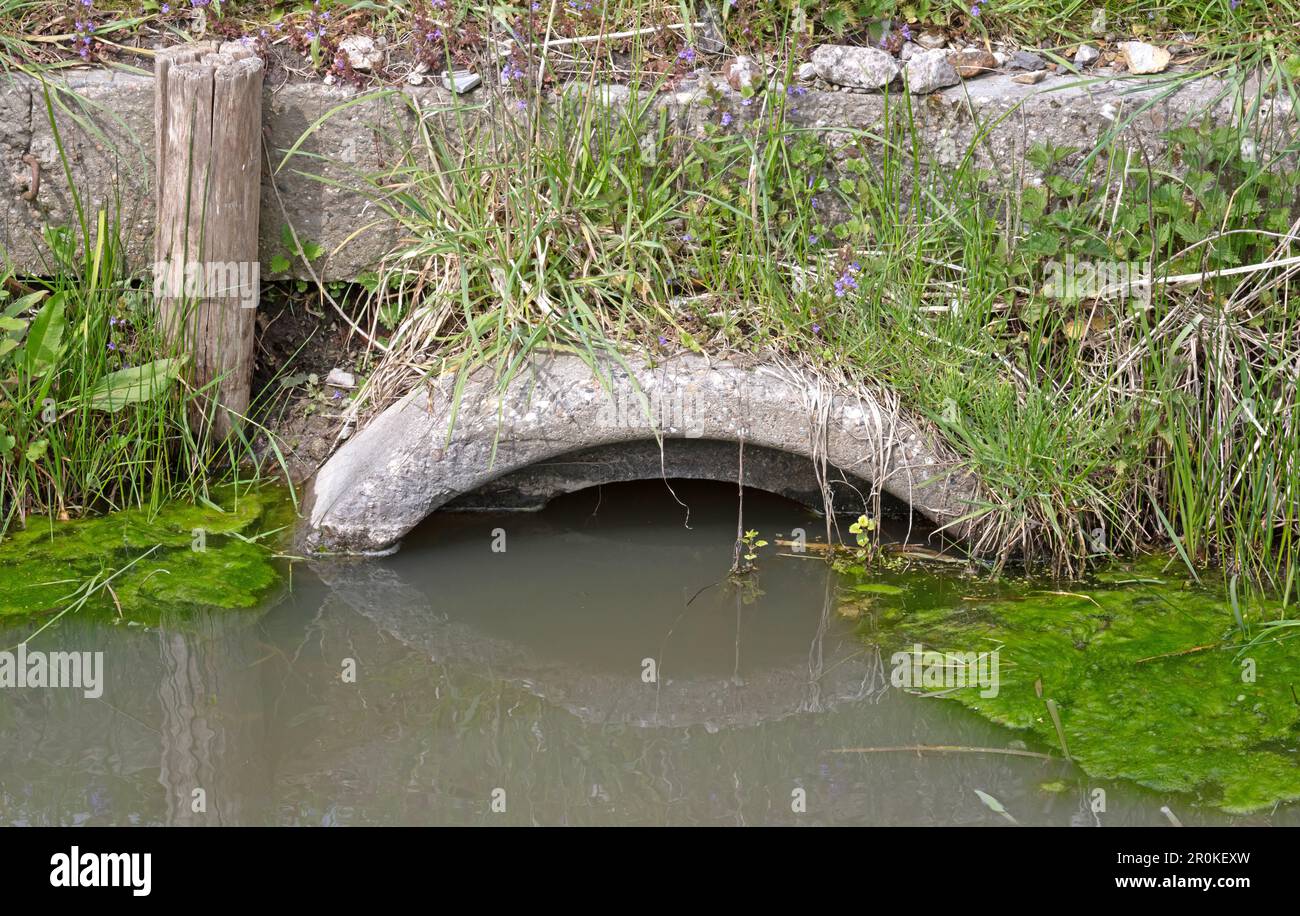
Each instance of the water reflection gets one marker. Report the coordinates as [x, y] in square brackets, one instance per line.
[522, 674]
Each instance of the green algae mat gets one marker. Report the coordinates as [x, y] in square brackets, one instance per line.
[1155, 678]
[136, 565]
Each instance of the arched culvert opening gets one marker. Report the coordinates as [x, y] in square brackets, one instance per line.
[794, 477]
[443, 440]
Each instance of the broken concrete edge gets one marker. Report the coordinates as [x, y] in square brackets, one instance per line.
[432, 446]
[337, 136]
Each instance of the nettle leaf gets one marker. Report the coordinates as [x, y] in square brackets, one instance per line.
[45, 339]
[134, 385]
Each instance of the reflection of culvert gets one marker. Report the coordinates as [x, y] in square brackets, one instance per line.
[435, 445]
[836, 668]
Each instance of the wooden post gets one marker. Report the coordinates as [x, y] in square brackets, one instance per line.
[208, 125]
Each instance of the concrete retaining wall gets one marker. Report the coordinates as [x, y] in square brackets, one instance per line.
[105, 123]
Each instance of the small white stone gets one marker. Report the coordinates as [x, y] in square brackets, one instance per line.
[460, 81]
[362, 52]
[930, 39]
[1086, 56]
[742, 73]
[340, 378]
[1030, 77]
[807, 72]
[1144, 58]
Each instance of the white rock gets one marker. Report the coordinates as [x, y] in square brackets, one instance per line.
[860, 68]
[807, 72]
[340, 378]
[1086, 56]
[930, 39]
[1144, 58]
[928, 71]
[362, 52]
[460, 81]
[906, 52]
[742, 73]
[415, 79]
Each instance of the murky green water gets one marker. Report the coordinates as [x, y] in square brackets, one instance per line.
[519, 679]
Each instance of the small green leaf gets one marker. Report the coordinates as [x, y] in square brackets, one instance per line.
[995, 806]
[279, 264]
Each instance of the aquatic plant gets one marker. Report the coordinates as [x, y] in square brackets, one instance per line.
[137, 564]
[1141, 675]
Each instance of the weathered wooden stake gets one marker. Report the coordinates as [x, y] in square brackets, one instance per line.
[208, 125]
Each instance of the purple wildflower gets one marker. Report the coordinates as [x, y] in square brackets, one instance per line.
[727, 119]
[847, 282]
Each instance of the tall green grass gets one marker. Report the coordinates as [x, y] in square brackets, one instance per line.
[96, 412]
